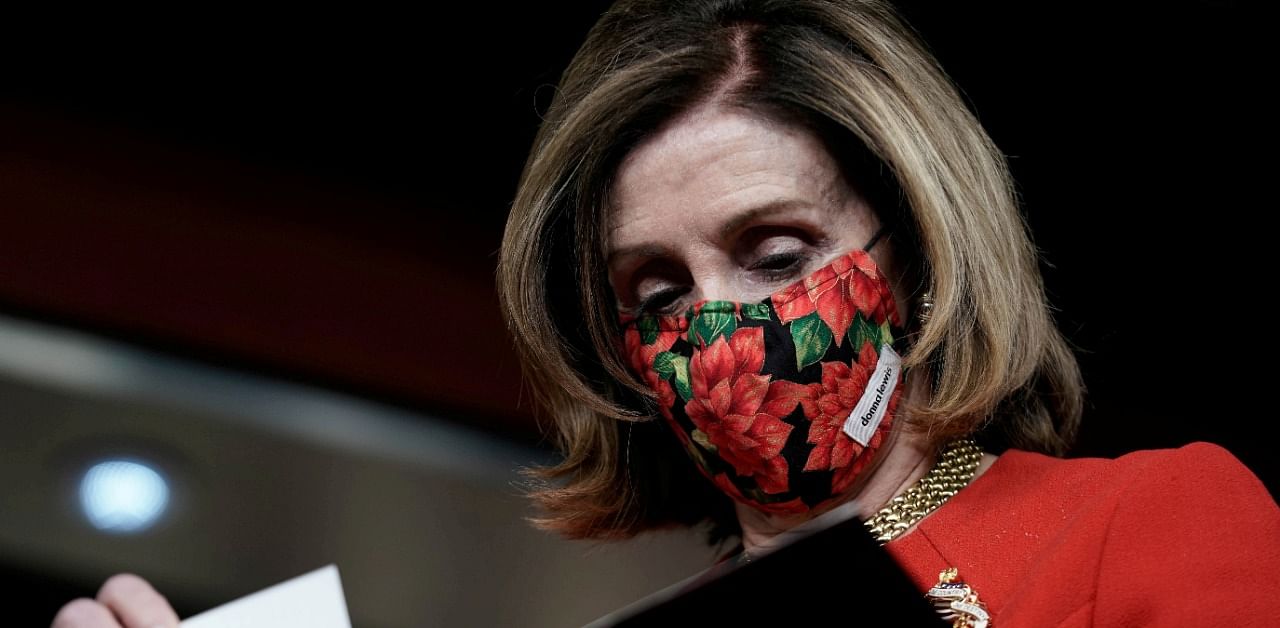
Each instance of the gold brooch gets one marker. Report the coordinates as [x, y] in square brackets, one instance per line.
[957, 603]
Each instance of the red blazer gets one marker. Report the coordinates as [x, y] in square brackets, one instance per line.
[1175, 537]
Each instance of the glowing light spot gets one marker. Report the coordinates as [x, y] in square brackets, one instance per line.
[123, 496]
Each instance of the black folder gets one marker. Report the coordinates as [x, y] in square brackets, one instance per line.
[835, 574]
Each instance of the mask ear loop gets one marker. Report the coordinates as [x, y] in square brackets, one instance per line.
[875, 239]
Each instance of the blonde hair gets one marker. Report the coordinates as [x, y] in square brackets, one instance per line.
[853, 73]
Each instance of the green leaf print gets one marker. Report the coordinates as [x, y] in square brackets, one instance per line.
[680, 367]
[670, 365]
[648, 327]
[811, 337]
[710, 323]
[662, 364]
[863, 331]
[757, 311]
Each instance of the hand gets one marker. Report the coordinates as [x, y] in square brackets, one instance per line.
[124, 601]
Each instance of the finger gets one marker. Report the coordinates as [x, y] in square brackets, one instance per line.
[84, 613]
[136, 603]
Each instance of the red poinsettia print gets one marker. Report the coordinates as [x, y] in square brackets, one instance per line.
[640, 356]
[868, 292]
[837, 292]
[835, 397]
[666, 396]
[729, 377]
[741, 410]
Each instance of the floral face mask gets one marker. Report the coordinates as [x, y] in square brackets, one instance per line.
[781, 403]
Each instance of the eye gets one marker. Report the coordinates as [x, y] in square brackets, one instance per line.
[778, 264]
[773, 253]
[779, 267]
[661, 301]
[656, 287]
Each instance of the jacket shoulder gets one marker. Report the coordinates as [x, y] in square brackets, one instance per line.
[1145, 474]
[1195, 537]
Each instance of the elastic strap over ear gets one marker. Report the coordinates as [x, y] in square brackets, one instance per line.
[884, 230]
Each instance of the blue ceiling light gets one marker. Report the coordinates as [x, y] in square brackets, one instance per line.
[123, 496]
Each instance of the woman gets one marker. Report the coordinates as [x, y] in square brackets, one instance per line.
[764, 263]
[775, 228]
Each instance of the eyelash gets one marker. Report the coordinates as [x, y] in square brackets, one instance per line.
[794, 261]
[646, 306]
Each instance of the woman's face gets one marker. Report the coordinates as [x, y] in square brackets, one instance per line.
[726, 206]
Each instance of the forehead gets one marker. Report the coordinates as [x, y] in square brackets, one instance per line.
[704, 170]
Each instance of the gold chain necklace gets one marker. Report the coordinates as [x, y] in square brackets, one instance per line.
[953, 471]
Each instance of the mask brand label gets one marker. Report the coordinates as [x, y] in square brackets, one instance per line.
[866, 416]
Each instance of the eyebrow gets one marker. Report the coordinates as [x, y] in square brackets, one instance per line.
[726, 230]
[755, 213]
[643, 250]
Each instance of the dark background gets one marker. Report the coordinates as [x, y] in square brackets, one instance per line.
[320, 197]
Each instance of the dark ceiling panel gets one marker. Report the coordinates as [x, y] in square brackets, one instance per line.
[306, 277]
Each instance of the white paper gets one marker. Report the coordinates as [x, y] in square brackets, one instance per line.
[312, 600]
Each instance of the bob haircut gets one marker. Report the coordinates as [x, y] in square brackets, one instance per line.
[854, 74]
